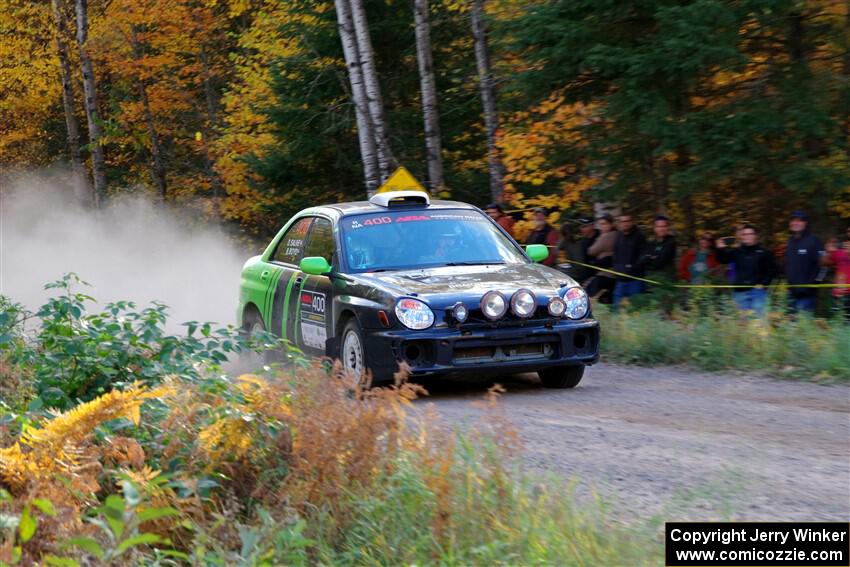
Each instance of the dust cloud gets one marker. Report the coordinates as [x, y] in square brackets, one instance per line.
[132, 249]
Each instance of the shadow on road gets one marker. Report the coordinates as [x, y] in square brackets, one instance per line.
[467, 387]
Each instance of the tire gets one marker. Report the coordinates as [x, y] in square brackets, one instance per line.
[352, 348]
[561, 376]
[252, 323]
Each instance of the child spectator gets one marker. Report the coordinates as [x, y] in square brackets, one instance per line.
[698, 264]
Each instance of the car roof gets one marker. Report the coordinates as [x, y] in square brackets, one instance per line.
[340, 210]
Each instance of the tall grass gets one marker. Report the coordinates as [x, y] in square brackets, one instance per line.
[719, 338]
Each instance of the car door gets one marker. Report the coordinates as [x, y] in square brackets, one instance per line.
[313, 318]
[284, 260]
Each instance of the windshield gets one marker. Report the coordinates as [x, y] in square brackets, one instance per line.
[396, 240]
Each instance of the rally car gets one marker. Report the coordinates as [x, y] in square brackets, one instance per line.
[434, 284]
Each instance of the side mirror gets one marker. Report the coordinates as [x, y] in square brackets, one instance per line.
[314, 265]
[537, 252]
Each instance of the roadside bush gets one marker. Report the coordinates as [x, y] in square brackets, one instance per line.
[74, 354]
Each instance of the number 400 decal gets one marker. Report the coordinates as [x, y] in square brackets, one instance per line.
[315, 302]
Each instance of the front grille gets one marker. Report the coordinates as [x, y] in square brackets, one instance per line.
[503, 353]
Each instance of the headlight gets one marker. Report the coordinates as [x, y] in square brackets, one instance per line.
[523, 303]
[460, 312]
[414, 314]
[576, 300]
[557, 307]
[493, 305]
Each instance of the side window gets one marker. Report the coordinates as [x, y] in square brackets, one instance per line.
[320, 242]
[290, 249]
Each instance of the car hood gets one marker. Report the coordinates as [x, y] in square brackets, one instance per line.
[472, 280]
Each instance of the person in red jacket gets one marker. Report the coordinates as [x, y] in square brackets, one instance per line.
[543, 233]
[838, 257]
[498, 214]
[700, 263]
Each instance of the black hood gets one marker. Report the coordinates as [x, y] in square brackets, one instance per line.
[472, 281]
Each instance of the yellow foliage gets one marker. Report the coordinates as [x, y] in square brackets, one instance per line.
[29, 82]
[59, 447]
[525, 146]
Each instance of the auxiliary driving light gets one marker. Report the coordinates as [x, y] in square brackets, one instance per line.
[494, 305]
[523, 303]
[460, 312]
[557, 307]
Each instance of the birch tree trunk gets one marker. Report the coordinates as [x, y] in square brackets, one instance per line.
[72, 126]
[386, 161]
[430, 112]
[158, 169]
[90, 103]
[488, 98]
[365, 131]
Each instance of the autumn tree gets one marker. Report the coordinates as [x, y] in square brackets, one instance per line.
[693, 97]
[69, 102]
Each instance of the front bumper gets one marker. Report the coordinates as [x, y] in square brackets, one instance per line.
[483, 350]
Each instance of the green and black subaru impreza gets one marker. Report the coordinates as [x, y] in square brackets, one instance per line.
[434, 284]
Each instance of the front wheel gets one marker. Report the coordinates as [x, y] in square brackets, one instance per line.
[352, 352]
[561, 376]
[252, 327]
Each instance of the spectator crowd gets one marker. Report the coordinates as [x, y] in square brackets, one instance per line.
[612, 259]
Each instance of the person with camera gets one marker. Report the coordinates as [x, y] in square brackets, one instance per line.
[754, 268]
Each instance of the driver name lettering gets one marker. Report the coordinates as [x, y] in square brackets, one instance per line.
[457, 217]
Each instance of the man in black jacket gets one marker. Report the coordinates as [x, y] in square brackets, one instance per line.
[628, 250]
[660, 256]
[802, 263]
[754, 266]
[589, 234]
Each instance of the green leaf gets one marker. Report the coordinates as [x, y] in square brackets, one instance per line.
[141, 539]
[115, 502]
[27, 525]
[174, 553]
[116, 525]
[46, 506]
[156, 513]
[60, 561]
[87, 544]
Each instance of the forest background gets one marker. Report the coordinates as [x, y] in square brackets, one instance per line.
[245, 110]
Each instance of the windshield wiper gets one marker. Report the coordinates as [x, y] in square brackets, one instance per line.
[472, 263]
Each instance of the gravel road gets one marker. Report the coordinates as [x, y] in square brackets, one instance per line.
[679, 444]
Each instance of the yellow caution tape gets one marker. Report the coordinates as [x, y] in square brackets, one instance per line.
[710, 286]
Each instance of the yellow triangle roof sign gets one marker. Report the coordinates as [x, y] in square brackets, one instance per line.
[401, 180]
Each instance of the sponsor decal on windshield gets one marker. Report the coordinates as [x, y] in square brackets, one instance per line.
[418, 217]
